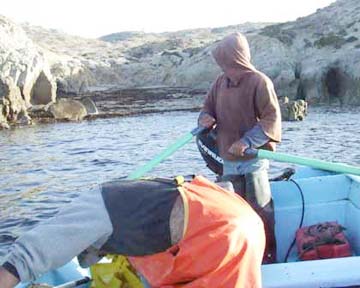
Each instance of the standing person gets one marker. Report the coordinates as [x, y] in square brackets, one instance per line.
[243, 105]
[180, 234]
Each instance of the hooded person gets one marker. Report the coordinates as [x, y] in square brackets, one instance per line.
[243, 107]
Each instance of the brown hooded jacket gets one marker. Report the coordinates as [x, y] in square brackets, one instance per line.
[241, 97]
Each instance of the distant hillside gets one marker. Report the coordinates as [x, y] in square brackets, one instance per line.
[316, 58]
[121, 36]
[197, 33]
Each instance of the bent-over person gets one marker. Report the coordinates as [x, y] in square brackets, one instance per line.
[190, 234]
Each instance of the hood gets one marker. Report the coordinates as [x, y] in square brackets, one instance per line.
[232, 54]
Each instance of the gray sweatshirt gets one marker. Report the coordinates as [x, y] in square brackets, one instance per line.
[85, 223]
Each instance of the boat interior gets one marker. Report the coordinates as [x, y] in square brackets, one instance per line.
[312, 197]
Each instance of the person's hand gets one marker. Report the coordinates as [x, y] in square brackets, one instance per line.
[238, 148]
[206, 120]
[7, 280]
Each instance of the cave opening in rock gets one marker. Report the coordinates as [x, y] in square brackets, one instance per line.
[41, 92]
[334, 85]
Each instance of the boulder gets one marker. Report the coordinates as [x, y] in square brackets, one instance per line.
[67, 109]
[293, 110]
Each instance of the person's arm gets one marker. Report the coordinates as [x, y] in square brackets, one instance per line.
[58, 240]
[207, 116]
[253, 138]
[7, 279]
[268, 109]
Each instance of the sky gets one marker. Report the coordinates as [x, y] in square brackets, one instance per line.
[95, 18]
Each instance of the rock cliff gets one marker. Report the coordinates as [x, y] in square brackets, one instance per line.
[315, 58]
[25, 77]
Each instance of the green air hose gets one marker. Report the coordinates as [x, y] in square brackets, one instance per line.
[164, 154]
[314, 163]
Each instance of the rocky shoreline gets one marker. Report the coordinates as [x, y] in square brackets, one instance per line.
[137, 101]
[118, 103]
[315, 58]
[133, 101]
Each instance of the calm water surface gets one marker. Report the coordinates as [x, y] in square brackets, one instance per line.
[44, 167]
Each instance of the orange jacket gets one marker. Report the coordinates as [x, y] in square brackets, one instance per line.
[222, 246]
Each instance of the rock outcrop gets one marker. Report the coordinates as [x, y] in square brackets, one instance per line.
[315, 58]
[293, 110]
[68, 109]
[325, 49]
[25, 77]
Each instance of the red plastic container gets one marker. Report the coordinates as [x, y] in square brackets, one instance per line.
[322, 241]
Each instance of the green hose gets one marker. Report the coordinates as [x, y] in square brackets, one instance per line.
[139, 172]
[314, 163]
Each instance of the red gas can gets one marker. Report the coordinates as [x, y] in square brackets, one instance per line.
[322, 241]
